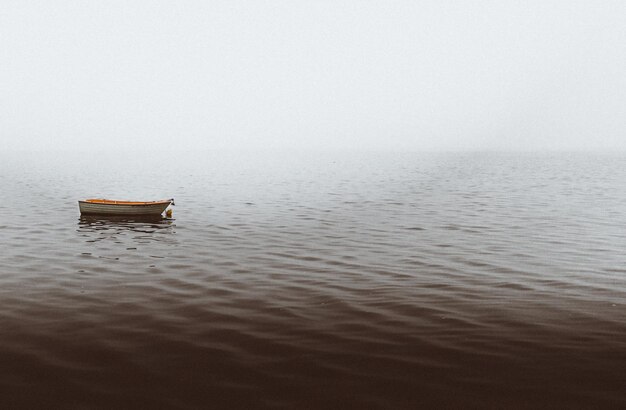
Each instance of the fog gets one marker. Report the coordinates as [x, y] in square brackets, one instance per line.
[362, 75]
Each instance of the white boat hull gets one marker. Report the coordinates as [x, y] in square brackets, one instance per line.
[120, 209]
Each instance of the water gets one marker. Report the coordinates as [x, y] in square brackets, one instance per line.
[315, 281]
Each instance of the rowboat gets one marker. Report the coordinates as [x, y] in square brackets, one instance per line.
[114, 207]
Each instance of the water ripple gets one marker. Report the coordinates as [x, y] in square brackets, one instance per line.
[408, 281]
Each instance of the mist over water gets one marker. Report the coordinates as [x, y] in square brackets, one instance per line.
[477, 280]
[400, 75]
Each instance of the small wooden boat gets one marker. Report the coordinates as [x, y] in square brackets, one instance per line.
[112, 207]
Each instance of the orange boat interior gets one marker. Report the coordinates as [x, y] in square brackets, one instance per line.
[115, 202]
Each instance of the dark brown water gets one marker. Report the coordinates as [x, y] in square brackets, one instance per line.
[315, 281]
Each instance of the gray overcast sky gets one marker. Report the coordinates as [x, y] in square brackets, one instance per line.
[418, 75]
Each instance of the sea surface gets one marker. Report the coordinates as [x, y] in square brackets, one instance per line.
[315, 281]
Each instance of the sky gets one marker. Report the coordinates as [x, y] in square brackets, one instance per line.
[347, 75]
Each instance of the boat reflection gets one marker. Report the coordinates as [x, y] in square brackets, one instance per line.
[137, 228]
